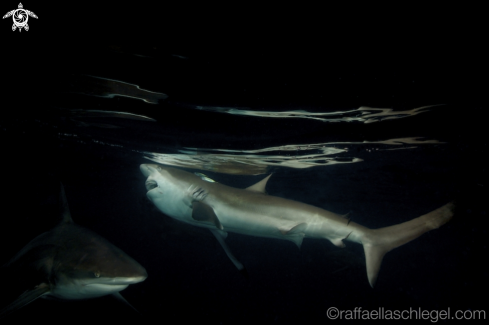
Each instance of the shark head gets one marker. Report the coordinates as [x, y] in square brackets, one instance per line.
[168, 188]
[89, 266]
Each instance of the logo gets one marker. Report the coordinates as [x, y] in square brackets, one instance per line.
[20, 17]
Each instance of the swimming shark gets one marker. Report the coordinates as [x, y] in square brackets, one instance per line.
[71, 262]
[192, 199]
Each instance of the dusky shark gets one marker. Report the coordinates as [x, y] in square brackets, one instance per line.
[71, 262]
[220, 208]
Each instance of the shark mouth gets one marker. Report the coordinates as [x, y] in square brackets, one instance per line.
[118, 281]
[150, 184]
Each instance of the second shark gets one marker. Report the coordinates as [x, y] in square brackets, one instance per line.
[71, 262]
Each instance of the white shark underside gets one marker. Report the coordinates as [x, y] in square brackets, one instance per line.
[220, 208]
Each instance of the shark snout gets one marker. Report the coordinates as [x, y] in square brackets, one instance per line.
[122, 280]
[151, 172]
[116, 281]
[145, 169]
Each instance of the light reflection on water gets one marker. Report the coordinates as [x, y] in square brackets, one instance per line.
[111, 88]
[259, 161]
[237, 160]
[362, 114]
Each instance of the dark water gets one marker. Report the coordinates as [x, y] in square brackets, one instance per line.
[386, 142]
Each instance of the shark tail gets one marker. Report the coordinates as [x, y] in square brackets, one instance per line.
[378, 242]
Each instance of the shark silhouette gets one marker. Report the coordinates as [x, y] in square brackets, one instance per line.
[71, 262]
[220, 208]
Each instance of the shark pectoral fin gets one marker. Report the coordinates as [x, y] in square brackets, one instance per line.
[24, 299]
[220, 239]
[260, 186]
[119, 297]
[295, 234]
[203, 212]
[222, 233]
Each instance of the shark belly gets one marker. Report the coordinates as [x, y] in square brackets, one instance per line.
[264, 216]
[75, 292]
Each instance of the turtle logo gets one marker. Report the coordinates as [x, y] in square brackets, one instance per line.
[20, 17]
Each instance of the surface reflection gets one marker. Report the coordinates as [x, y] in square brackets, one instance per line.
[260, 161]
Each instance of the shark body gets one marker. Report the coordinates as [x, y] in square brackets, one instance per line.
[220, 208]
[71, 262]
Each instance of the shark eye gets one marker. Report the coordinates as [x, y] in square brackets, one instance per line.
[96, 274]
[150, 184]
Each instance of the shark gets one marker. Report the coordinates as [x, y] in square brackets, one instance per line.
[201, 202]
[70, 262]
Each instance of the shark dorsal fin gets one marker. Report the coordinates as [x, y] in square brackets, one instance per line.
[64, 209]
[260, 186]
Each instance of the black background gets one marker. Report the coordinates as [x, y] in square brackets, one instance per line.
[237, 55]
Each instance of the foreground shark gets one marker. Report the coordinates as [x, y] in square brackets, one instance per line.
[71, 262]
[220, 208]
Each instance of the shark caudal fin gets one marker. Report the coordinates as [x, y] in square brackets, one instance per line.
[380, 241]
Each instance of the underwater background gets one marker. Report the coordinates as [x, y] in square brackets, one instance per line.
[384, 126]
